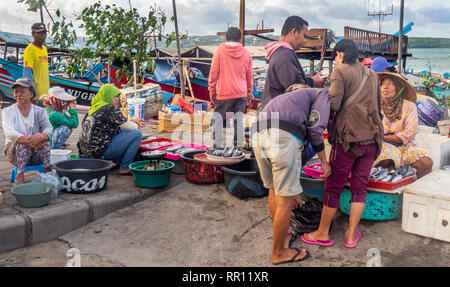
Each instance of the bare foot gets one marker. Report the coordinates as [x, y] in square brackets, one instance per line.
[287, 240]
[124, 170]
[287, 254]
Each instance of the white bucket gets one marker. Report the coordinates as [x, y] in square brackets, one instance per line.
[57, 155]
[136, 108]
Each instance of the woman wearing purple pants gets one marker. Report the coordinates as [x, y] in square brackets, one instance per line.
[358, 140]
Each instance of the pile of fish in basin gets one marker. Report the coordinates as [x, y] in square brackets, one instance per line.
[230, 152]
[387, 175]
[392, 175]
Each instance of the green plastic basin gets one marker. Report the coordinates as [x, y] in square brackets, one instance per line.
[33, 194]
[379, 206]
[151, 178]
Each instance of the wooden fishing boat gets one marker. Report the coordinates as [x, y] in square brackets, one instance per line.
[83, 90]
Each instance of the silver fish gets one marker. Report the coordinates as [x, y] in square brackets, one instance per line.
[409, 173]
[397, 177]
[387, 178]
[373, 171]
[382, 175]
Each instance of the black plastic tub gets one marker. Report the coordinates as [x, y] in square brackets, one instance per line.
[83, 175]
[200, 173]
[243, 179]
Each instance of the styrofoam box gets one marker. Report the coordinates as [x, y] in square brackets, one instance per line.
[426, 206]
[438, 146]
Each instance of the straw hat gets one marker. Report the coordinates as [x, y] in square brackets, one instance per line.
[409, 93]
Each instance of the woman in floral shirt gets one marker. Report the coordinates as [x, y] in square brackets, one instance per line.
[400, 124]
[107, 134]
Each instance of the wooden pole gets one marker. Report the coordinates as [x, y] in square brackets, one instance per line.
[242, 22]
[400, 37]
[42, 15]
[180, 64]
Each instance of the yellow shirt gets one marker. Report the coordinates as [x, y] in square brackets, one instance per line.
[37, 59]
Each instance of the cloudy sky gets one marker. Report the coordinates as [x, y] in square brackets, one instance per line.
[205, 17]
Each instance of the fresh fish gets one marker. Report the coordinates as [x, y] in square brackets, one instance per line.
[392, 171]
[387, 178]
[236, 153]
[228, 152]
[382, 175]
[373, 172]
[409, 173]
[397, 177]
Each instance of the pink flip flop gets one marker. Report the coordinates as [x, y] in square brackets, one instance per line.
[316, 242]
[358, 237]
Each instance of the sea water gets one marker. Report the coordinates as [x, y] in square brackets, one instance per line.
[439, 59]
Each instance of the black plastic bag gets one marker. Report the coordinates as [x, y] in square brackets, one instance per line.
[306, 218]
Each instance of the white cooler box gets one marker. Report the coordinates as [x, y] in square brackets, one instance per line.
[426, 206]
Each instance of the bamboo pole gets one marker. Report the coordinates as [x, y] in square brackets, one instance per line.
[180, 64]
[400, 37]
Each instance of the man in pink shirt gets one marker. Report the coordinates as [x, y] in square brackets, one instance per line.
[230, 85]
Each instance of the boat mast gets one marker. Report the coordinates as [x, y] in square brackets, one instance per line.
[180, 65]
[256, 33]
[242, 21]
[400, 38]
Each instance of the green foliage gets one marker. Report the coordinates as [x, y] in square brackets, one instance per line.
[33, 5]
[112, 32]
[426, 42]
[123, 34]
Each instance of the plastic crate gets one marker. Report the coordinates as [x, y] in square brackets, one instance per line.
[390, 185]
[142, 146]
[309, 171]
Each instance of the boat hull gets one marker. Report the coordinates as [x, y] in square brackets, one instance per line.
[83, 90]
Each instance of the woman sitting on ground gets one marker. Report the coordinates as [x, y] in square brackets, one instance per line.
[62, 113]
[400, 124]
[106, 132]
[27, 130]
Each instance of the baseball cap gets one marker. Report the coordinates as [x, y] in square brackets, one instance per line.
[380, 64]
[60, 93]
[367, 61]
[23, 82]
[38, 27]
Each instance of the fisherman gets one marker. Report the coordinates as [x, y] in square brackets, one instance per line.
[284, 68]
[367, 62]
[36, 60]
[230, 85]
[278, 138]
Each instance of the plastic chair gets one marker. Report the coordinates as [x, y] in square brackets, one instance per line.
[39, 167]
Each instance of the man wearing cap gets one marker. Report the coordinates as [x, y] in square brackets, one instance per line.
[367, 62]
[62, 113]
[36, 60]
[27, 130]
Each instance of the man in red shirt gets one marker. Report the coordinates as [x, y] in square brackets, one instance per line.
[230, 85]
